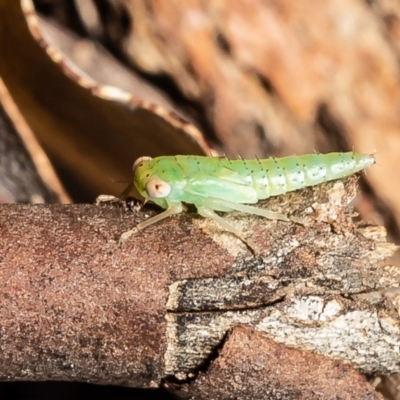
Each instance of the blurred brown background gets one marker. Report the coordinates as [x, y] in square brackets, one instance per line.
[249, 78]
[126, 78]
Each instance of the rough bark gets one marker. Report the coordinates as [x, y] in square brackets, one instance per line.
[259, 368]
[78, 305]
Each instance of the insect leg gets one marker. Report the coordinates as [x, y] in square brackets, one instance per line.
[171, 210]
[107, 198]
[208, 213]
[127, 191]
[228, 205]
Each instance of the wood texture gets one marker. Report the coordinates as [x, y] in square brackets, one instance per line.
[260, 78]
[259, 368]
[77, 305]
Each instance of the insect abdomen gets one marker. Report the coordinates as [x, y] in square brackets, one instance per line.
[280, 175]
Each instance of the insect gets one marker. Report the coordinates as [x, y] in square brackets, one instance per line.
[220, 184]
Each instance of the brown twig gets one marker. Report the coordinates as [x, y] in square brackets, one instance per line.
[78, 306]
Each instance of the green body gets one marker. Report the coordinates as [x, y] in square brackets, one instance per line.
[194, 179]
[219, 184]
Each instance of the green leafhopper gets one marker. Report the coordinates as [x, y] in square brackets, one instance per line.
[220, 184]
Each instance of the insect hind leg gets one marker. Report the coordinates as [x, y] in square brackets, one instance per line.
[209, 213]
[225, 205]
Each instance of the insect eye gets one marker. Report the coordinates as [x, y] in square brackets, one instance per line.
[157, 188]
[139, 161]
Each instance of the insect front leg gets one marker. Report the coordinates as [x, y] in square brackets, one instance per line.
[108, 198]
[208, 213]
[173, 209]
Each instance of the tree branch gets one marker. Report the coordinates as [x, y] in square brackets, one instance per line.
[77, 305]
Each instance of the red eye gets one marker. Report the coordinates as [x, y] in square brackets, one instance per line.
[157, 188]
